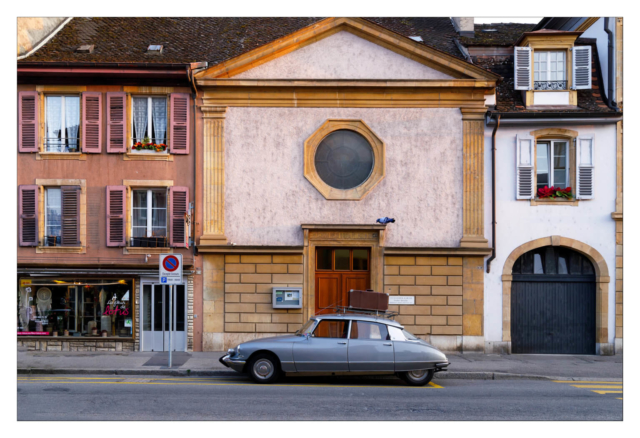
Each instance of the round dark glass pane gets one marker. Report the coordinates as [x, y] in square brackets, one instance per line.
[344, 159]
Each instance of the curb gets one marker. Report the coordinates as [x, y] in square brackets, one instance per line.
[462, 375]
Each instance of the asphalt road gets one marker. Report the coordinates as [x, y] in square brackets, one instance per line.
[237, 398]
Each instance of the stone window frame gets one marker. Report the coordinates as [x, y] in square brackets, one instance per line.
[377, 173]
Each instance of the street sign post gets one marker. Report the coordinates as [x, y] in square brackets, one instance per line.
[170, 274]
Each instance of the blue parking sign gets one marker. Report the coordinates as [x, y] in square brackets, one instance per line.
[163, 279]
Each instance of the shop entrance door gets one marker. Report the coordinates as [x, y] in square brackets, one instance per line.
[155, 317]
[338, 270]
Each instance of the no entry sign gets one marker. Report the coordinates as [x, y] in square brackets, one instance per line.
[171, 268]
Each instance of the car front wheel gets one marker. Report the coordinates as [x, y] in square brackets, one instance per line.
[264, 368]
[417, 377]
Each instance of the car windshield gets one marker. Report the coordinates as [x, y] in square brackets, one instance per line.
[409, 336]
[306, 328]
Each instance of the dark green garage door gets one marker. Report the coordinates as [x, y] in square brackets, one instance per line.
[553, 303]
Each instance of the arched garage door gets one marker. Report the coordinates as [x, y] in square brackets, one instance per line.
[553, 303]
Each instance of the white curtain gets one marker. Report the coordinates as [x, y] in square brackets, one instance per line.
[72, 120]
[139, 118]
[54, 121]
[160, 119]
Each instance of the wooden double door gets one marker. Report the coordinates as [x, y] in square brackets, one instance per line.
[339, 270]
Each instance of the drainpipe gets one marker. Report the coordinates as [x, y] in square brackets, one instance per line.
[195, 159]
[610, 70]
[493, 193]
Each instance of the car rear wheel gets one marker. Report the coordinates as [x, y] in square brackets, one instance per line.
[417, 377]
[264, 368]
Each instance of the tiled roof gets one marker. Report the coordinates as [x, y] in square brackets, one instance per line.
[506, 34]
[185, 40]
[510, 100]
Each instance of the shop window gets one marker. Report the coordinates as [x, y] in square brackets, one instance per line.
[150, 119]
[62, 124]
[57, 307]
[149, 224]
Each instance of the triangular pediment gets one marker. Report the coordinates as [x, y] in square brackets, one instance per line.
[346, 48]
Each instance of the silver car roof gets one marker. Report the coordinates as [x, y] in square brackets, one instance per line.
[359, 317]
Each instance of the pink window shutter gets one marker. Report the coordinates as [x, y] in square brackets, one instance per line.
[28, 130]
[116, 119]
[180, 116]
[92, 122]
[28, 210]
[116, 220]
[70, 215]
[179, 198]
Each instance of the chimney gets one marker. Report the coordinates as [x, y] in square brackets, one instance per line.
[464, 26]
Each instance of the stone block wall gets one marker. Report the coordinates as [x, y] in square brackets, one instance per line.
[248, 283]
[618, 281]
[436, 283]
[72, 344]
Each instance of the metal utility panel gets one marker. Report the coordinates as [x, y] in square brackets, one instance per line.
[287, 297]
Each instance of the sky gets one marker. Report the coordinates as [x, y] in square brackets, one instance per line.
[481, 20]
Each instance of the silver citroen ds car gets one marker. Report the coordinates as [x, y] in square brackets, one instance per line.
[340, 344]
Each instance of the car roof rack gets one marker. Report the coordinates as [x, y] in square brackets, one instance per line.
[351, 310]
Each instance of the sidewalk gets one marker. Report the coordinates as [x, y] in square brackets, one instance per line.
[463, 366]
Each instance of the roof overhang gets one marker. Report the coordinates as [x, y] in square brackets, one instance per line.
[543, 36]
[433, 58]
[105, 70]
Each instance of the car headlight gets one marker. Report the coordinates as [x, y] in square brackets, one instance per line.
[231, 351]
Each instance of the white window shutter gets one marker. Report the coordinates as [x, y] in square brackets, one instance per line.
[524, 170]
[584, 166]
[582, 68]
[522, 68]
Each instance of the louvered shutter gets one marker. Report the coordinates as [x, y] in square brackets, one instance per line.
[116, 117]
[524, 169]
[522, 68]
[116, 219]
[582, 68]
[180, 132]
[92, 122]
[28, 130]
[179, 198]
[28, 210]
[70, 215]
[584, 166]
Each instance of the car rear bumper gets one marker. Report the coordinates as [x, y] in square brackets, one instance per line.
[442, 366]
[235, 364]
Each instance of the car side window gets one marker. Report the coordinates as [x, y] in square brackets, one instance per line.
[396, 334]
[328, 328]
[369, 331]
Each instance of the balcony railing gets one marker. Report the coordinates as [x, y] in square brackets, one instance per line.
[550, 85]
[150, 242]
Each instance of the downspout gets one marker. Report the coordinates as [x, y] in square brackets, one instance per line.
[493, 193]
[610, 67]
[195, 159]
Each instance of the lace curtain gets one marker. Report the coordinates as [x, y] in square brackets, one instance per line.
[54, 122]
[72, 120]
[160, 119]
[139, 118]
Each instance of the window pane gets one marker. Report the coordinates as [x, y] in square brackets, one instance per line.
[360, 260]
[159, 218]
[140, 198]
[538, 264]
[560, 165]
[323, 257]
[53, 214]
[331, 329]
[342, 260]
[542, 165]
[72, 121]
[562, 265]
[344, 159]
[140, 108]
[159, 114]
[159, 199]
[368, 331]
[54, 124]
[146, 305]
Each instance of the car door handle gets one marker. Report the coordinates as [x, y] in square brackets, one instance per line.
[342, 343]
[388, 345]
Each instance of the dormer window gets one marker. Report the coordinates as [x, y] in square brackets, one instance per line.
[549, 70]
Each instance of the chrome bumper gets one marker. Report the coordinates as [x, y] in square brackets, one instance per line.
[235, 364]
[442, 366]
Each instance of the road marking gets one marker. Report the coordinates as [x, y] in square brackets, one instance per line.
[586, 382]
[619, 398]
[607, 392]
[430, 385]
[599, 386]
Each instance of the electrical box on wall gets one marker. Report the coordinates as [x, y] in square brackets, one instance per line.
[287, 297]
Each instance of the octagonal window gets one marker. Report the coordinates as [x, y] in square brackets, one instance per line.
[344, 159]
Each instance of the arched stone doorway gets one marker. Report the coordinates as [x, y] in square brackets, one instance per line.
[601, 286]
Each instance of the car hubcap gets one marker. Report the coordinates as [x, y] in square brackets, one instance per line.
[263, 368]
[417, 375]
